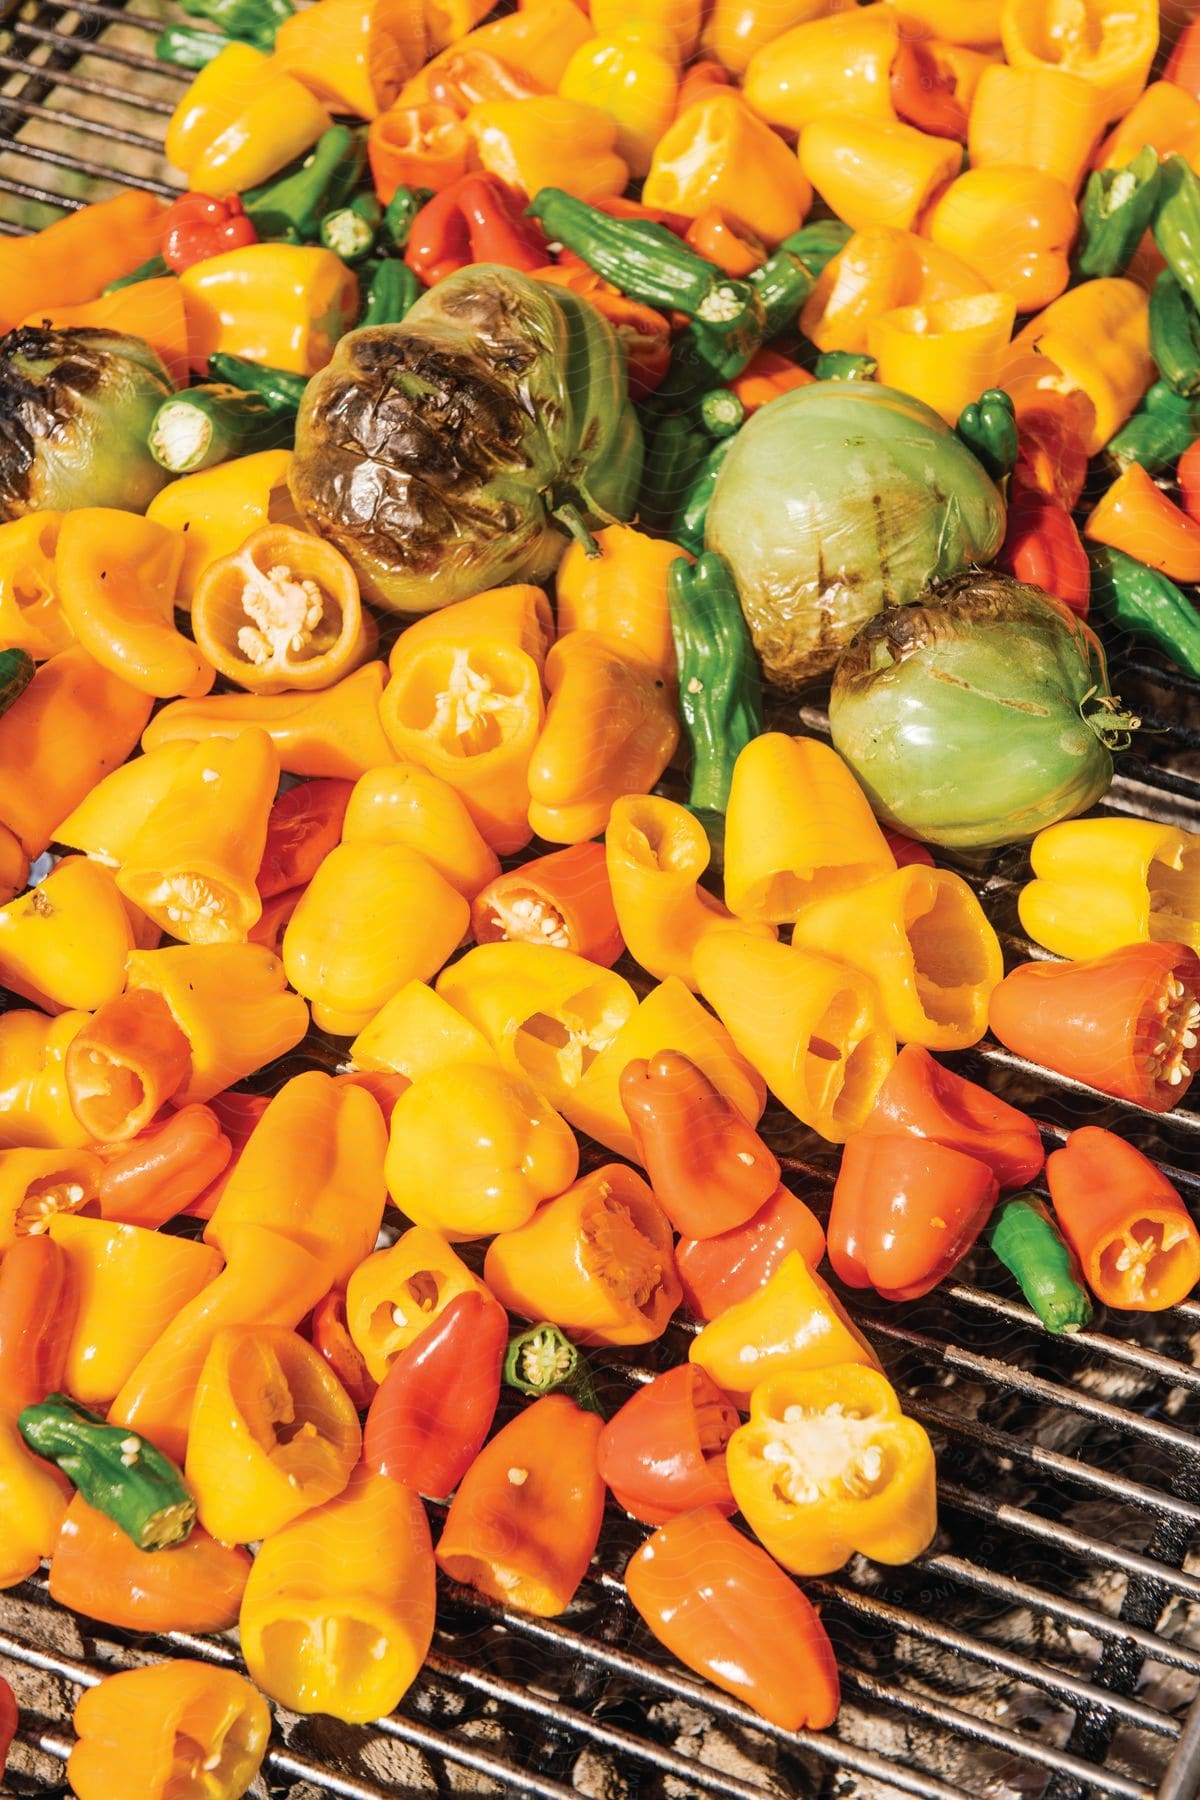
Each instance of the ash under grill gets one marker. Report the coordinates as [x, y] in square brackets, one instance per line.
[1049, 1643]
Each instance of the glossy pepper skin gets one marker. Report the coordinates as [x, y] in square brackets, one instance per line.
[173, 1727]
[720, 689]
[403, 803]
[828, 1466]
[126, 1062]
[1108, 45]
[416, 1033]
[564, 899]
[1042, 547]
[36, 1313]
[530, 143]
[1040, 117]
[436, 1403]
[1146, 603]
[282, 304]
[63, 944]
[717, 1272]
[241, 120]
[905, 1211]
[31, 615]
[95, 1569]
[304, 824]
[632, 74]
[355, 55]
[925, 1099]
[944, 353]
[395, 1294]
[1027, 1241]
[1118, 1022]
[199, 225]
[876, 171]
[1102, 883]
[215, 510]
[744, 168]
[663, 1452]
[704, 1591]
[1097, 336]
[876, 269]
[1135, 1240]
[1118, 208]
[792, 1322]
[988, 428]
[973, 219]
[75, 257]
[708, 1167]
[1136, 518]
[478, 218]
[120, 1473]
[622, 593]
[524, 1523]
[37, 1185]
[423, 146]
[35, 1108]
[160, 1172]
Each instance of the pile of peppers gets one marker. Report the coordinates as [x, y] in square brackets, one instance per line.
[529, 872]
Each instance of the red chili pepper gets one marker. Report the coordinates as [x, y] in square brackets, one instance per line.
[476, 219]
[1187, 474]
[709, 1168]
[1042, 547]
[1119, 1023]
[436, 1403]
[273, 920]
[37, 1316]
[717, 1272]
[237, 1114]
[907, 851]
[150, 1178]
[905, 1211]
[664, 1451]
[1183, 64]
[1134, 1237]
[331, 1336]
[563, 899]
[925, 1099]
[198, 226]
[304, 825]
[8, 1721]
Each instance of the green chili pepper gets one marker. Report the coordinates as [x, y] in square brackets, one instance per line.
[543, 1360]
[1175, 336]
[279, 388]
[119, 1473]
[190, 46]
[818, 244]
[207, 425]
[720, 688]
[399, 214]
[153, 269]
[687, 529]
[721, 412]
[1177, 223]
[674, 453]
[711, 351]
[1158, 433]
[352, 230]
[252, 21]
[322, 182]
[391, 288]
[1031, 1247]
[1118, 205]
[646, 261]
[1147, 604]
[988, 427]
[844, 365]
[17, 669]
[783, 283]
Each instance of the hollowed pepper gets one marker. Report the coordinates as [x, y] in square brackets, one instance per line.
[1103, 883]
[126, 1062]
[663, 1452]
[1135, 1240]
[564, 899]
[1094, 339]
[905, 1211]
[720, 153]
[394, 1294]
[173, 1728]
[107, 820]
[1043, 117]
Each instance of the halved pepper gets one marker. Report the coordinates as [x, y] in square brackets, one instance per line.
[717, 1272]
[1102, 883]
[423, 145]
[564, 899]
[923, 1097]
[663, 1452]
[63, 944]
[108, 819]
[241, 120]
[905, 1211]
[1118, 206]
[718, 152]
[96, 1570]
[177, 1727]
[1138, 519]
[879, 268]
[31, 614]
[331, 1339]
[36, 1186]
[415, 1032]
[128, 1060]
[945, 353]
[528, 144]
[1135, 1240]
[395, 1293]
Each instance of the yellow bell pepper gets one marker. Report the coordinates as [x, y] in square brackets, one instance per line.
[267, 1280]
[354, 55]
[337, 1616]
[815, 1030]
[282, 304]
[63, 944]
[837, 65]
[241, 120]
[73, 723]
[395, 1293]
[192, 866]
[14, 866]
[117, 574]
[311, 1171]
[876, 171]
[598, 1261]
[31, 614]
[39, 1186]
[621, 594]
[793, 1324]
[107, 820]
[1096, 339]
[549, 142]
[718, 153]
[373, 917]
[518, 615]
[511, 1151]
[946, 353]
[1109, 42]
[217, 509]
[273, 1432]
[536, 43]
[1102, 883]
[633, 77]
[232, 1005]
[1013, 225]
[417, 1032]
[923, 938]
[129, 1284]
[876, 271]
[1041, 118]
[735, 29]
[35, 1110]
[33, 1502]
[958, 21]
[681, 18]
[656, 851]
[797, 827]
[611, 728]
[334, 732]
[402, 803]
[828, 1467]
[1166, 117]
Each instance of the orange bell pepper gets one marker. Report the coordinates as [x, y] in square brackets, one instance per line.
[167, 1729]
[767, 375]
[151, 310]
[878, 269]
[620, 594]
[1042, 118]
[1013, 225]
[1134, 1237]
[1166, 117]
[1136, 517]
[96, 1569]
[425, 145]
[127, 1062]
[76, 257]
[713, 234]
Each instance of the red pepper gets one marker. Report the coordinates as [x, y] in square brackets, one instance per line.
[905, 1211]
[37, 1316]
[709, 1168]
[907, 851]
[8, 1721]
[1134, 1238]
[331, 1337]
[1119, 1023]
[237, 1114]
[150, 1178]
[717, 1272]
[436, 1403]
[568, 891]
[922, 94]
[1042, 547]
[664, 1452]
[385, 1086]
[273, 920]
[198, 226]
[1183, 64]
[303, 826]
[1187, 474]
[727, 1610]
[921, 1096]
[476, 219]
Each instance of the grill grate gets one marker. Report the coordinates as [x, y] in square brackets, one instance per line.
[1049, 1645]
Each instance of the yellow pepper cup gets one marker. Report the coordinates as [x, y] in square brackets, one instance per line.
[354, 55]
[793, 1324]
[879, 269]
[1095, 340]
[945, 354]
[402, 803]
[1102, 883]
[395, 1293]
[417, 1032]
[1110, 43]
[31, 615]
[719, 153]
[64, 943]
[837, 66]
[632, 75]
[876, 171]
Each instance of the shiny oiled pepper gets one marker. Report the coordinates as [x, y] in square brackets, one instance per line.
[534, 44]
[720, 153]
[564, 899]
[1040, 117]
[663, 1452]
[75, 257]
[282, 304]
[905, 1210]
[123, 1064]
[1135, 1240]
[876, 171]
[424, 145]
[121, 1474]
[242, 119]
[1107, 42]
[548, 140]
[478, 218]
[1094, 339]
[837, 64]
[331, 1339]
[1136, 518]
[31, 615]
[63, 944]
[1041, 547]
[621, 594]
[1014, 226]
[1148, 604]
[158, 1174]
[525, 1520]
[37, 1185]
[177, 1727]
[876, 270]
[988, 427]
[1102, 883]
[107, 820]
[96, 1570]
[352, 54]
[1028, 1242]
[828, 1467]
[705, 1592]
[792, 1322]
[715, 235]
[215, 510]
[632, 74]
[944, 353]
[415, 1032]
[34, 1106]
[436, 1403]
[403, 803]
[717, 1272]
[200, 225]
[924, 1098]
[238, 1114]
[394, 1294]
[680, 18]
[35, 1318]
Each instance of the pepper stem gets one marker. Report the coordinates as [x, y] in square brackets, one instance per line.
[568, 516]
[1102, 713]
